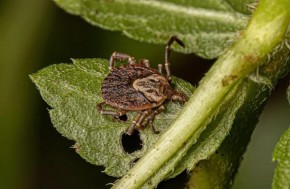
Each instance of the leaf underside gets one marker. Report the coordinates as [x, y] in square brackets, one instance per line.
[73, 91]
[207, 27]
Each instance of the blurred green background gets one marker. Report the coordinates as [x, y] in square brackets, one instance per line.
[35, 34]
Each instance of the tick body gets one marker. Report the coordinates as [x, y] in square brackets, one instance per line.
[138, 87]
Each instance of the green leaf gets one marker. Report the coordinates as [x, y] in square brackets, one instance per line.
[207, 27]
[73, 91]
[282, 155]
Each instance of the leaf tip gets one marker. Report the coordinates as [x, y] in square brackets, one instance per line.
[32, 77]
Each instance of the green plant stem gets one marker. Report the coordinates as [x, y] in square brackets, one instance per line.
[265, 30]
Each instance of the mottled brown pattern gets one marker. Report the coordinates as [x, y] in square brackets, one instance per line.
[117, 90]
[152, 87]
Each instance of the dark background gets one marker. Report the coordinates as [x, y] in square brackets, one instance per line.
[35, 34]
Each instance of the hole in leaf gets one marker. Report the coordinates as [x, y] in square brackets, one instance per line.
[123, 117]
[131, 143]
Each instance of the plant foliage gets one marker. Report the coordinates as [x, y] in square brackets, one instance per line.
[73, 91]
[207, 27]
[282, 156]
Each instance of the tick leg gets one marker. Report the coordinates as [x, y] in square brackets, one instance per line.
[160, 67]
[137, 123]
[121, 57]
[145, 62]
[109, 112]
[152, 116]
[167, 54]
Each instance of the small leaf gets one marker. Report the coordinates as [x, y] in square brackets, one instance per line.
[207, 27]
[282, 155]
[73, 91]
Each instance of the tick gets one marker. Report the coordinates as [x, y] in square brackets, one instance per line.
[138, 87]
